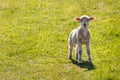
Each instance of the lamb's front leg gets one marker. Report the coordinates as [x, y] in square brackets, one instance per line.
[88, 51]
[79, 52]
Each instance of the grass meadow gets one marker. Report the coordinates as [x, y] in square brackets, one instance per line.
[34, 35]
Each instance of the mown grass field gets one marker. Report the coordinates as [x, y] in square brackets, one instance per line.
[34, 34]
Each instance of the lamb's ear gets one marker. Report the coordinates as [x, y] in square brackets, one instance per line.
[77, 18]
[91, 18]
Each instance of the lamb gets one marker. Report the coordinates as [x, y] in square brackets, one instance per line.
[78, 37]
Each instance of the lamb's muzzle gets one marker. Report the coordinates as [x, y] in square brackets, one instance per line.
[80, 36]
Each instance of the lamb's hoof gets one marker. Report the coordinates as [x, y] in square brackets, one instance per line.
[76, 58]
[80, 62]
[90, 64]
[69, 57]
[90, 61]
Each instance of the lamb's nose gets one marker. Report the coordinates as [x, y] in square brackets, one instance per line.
[84, 25]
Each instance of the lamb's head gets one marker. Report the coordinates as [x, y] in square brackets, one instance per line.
[84, 20]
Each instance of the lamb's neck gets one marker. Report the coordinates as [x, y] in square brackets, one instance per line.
[84, 31]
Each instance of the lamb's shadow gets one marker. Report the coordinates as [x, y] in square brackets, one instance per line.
[89, 66]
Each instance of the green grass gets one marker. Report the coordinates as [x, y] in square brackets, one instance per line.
[34, 33]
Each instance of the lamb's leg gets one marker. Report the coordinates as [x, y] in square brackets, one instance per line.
[70, 52]
[70, 49]
[79, 53]
[76, 52]
[88, 51]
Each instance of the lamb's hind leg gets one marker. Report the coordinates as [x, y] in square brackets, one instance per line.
[70, 49]
[76, 52]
